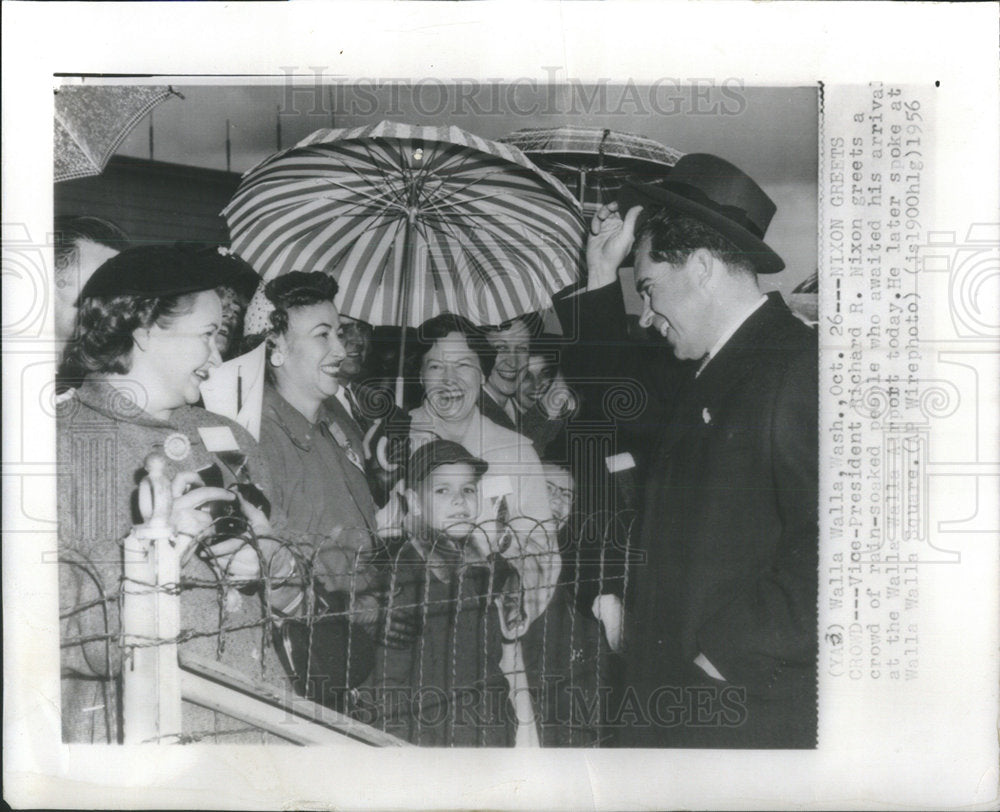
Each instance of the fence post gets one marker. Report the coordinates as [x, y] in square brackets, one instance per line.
[151, 617]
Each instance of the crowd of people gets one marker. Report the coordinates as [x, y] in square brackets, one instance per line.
[562, 539]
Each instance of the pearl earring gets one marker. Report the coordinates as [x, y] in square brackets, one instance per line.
[277, 358]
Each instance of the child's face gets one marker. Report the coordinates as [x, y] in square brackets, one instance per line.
[449, 499]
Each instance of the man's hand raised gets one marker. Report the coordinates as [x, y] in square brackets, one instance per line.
[610, 241]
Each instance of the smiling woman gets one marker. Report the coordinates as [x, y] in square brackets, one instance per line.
[456, 358]
[148, 322]
[320, 489]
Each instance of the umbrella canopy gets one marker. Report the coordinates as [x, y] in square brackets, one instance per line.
[594, 161]
[91, 122]
[413, 221]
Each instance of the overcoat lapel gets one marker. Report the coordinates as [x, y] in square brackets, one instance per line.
[703, 399]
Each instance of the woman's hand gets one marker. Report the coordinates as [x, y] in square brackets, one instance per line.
[255, 517]
[389, 518]
[187, 521]
[610, 241]
[237, 561]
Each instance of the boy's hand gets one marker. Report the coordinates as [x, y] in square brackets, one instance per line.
[395, 629]
[509, 599]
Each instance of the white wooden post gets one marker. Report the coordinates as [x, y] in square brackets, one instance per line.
[151, 617]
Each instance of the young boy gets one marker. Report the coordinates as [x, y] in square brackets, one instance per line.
[442, 494]
[446, 688]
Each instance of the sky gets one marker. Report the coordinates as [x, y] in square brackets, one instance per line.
[770, 133]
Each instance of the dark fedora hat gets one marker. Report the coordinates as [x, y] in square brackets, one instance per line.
[720, 195]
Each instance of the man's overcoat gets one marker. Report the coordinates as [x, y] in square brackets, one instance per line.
[729, 537]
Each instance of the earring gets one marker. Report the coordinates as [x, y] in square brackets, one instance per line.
[277, 358]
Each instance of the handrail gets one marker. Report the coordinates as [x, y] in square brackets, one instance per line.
[220, 688]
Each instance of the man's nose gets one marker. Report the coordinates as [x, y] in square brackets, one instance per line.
[646, 318]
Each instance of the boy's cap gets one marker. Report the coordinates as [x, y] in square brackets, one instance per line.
[436, 453]
[168, 270]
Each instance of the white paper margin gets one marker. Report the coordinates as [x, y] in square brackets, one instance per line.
[936, 749]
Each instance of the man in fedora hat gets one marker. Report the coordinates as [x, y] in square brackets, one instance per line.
[720, 628]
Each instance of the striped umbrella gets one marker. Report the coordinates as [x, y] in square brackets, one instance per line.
[413, 221]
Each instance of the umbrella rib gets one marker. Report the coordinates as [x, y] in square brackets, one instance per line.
[443, 187]
[382, 200]
[452, 202]
[378, 167]
[405, 171]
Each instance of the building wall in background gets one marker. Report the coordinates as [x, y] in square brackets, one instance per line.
[164, 202]
[153, 201]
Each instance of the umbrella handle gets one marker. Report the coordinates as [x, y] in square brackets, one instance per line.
[405, 270]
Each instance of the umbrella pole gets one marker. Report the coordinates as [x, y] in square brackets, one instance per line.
[403, 303]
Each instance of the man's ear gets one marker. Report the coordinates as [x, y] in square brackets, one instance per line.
[703, 266]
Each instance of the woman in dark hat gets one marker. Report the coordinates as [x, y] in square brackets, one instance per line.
[148, 322]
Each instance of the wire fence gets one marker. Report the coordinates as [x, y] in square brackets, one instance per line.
[413, 639]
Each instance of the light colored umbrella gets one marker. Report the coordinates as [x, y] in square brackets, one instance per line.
[412, 221]
[92, 121]
[594, 161]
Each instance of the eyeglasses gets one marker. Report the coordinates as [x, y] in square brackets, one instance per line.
[566, 494]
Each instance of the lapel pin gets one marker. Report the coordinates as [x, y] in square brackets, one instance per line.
[177, 446]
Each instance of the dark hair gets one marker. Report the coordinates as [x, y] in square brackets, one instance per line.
[70, 230]
[447, 323]
[297, 289]
[674, 237]
[106, 327]
[533, 321]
